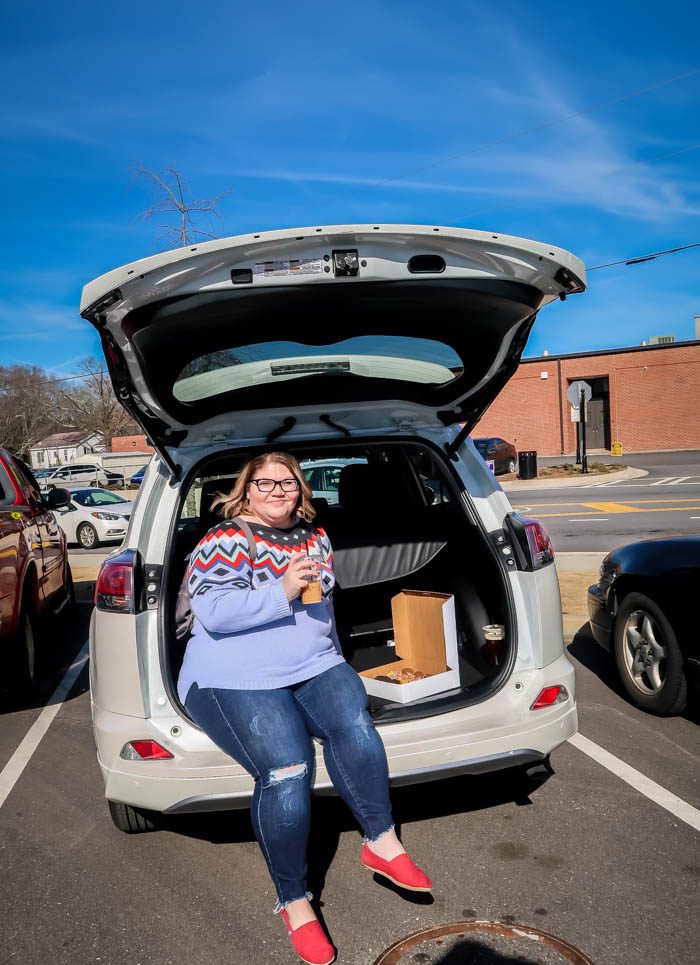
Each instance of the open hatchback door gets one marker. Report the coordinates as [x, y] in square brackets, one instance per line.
[317, 326]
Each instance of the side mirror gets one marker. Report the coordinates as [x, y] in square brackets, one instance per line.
[57, 498]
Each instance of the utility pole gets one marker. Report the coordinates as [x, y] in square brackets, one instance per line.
[582, 409]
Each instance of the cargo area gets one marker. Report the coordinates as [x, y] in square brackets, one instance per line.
[398, 521]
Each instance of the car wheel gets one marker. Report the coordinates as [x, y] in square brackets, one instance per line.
[648, 657]
[133, 820]
[87, 536]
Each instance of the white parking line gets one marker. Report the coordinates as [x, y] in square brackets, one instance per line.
[680, 808]
[12, 771]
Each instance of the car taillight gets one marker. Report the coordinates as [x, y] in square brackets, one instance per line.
[114, 590]
[146, 750]
[533, 539]
[549, 696]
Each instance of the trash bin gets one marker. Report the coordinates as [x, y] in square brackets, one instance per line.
[527, 465]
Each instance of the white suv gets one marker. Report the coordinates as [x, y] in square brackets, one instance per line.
[376, 348]
[85, 473]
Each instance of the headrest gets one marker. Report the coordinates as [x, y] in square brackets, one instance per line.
[208, 517]
[369, 487]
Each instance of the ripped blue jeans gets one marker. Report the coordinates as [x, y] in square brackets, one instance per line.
[268, 732]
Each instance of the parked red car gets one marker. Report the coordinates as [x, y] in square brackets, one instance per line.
[35, 578]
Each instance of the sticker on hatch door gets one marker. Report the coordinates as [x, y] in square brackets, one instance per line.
[295, 266]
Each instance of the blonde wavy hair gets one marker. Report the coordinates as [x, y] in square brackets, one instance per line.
[236, 502]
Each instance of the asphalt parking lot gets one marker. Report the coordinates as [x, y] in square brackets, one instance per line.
[579, 853]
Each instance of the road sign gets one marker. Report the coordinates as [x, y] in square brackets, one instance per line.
[575, 413]
[573, 393]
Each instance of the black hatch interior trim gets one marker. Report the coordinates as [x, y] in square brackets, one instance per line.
[486, 321]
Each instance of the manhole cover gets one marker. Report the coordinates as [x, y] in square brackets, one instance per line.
[482, 943]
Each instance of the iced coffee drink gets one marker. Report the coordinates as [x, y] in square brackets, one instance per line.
[312, 592]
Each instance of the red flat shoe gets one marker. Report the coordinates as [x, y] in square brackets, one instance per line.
[310, 942]
[401, 870]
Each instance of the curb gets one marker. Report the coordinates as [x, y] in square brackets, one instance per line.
[564, 483]
[583, 562]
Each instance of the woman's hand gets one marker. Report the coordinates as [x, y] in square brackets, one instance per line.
[299, 571]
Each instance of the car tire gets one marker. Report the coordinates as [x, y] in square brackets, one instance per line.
[648, 658]
[24, 654]
[68, 609]
[133, 820]
[87, 536]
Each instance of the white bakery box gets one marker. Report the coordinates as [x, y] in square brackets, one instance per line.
[425, 636]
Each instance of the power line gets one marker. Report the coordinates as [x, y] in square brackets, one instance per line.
[640, 258]
[33, 385]
[541, 127]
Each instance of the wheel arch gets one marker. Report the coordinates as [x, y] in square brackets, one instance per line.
[28, 588]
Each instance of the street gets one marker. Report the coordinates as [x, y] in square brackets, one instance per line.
[602, 515]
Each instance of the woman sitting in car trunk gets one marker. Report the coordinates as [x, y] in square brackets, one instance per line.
[263, 673]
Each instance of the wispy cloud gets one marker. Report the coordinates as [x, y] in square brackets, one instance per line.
[41, 320]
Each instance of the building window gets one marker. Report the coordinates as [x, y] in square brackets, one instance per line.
[39, 457]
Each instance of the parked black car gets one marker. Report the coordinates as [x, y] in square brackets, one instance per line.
[644, 611]
[503, 455]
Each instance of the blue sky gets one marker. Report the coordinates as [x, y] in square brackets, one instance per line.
[321, 114]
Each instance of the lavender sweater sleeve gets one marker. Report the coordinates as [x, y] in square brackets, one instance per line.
[221, 589]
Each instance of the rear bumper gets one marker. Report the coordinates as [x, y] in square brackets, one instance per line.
[440, 772]
[501, 732]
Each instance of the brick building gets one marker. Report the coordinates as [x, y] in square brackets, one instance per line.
[646, 397]
[131, 444]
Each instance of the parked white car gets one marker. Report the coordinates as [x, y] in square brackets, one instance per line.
[323, 476]
[87, 473]
[415, 331]
[94, 516]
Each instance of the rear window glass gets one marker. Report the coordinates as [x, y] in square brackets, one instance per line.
[392, 357]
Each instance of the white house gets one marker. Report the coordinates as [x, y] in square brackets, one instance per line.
[65, 447]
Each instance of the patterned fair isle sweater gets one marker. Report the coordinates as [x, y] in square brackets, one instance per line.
[246, 635]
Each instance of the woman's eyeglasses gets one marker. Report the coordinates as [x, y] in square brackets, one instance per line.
[289, 485]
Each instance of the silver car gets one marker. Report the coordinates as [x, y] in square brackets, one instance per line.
[377, 349]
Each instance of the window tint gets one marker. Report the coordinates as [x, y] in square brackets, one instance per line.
[430, 475]
[26, 477]
[7, 495]
[314, 478]
[192, 507]
[333, 477]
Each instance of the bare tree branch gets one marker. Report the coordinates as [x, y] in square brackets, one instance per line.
[171, 189]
